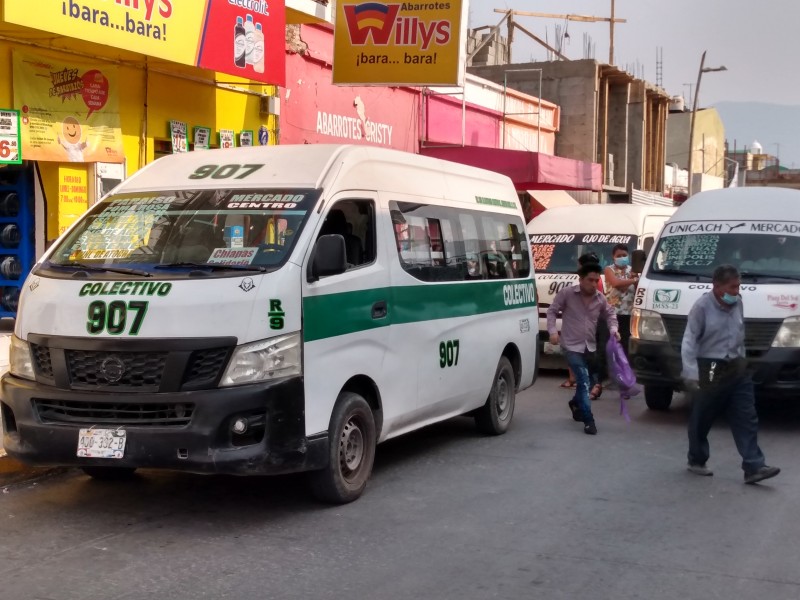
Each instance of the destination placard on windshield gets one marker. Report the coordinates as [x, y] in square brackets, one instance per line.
[782, 228]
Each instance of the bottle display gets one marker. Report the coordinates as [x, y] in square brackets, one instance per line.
[239, 44]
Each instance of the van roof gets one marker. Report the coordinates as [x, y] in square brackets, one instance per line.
[754, 203]
[319, 165]
[596, 218]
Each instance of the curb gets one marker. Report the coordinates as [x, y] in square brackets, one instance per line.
[13, 471]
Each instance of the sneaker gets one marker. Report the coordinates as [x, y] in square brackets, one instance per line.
[699, 470]
[590, 429]
[577, 413]
[760, 474]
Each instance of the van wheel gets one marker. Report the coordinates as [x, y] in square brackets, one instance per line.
[657, 397]
[352, 452]
[494, 417]
[109, 473]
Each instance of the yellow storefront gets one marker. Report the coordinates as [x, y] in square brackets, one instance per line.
[147, 92]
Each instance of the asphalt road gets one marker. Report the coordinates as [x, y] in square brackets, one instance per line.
[542, 512]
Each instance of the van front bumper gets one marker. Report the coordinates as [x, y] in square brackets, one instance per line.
[776, 373]
[274, 443]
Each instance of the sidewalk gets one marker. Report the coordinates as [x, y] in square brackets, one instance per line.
[12, 471]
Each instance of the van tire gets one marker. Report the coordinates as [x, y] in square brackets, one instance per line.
[657, 397]
[494, 417]
[351, 453]
[109, 473]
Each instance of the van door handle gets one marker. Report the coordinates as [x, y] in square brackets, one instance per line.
[379, 310]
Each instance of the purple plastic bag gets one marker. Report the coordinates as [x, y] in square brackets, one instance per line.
[622, 374]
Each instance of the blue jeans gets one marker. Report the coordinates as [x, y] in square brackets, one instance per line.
[736, 399]
[579, 363]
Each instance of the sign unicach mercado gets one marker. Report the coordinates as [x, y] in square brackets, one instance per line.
[397, 43]
[239, 37]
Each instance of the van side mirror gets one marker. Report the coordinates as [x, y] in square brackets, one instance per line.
[329, 257]
[7, 324]
[638, 258]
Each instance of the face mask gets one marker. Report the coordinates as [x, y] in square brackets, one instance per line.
[729, 300]
[622, 261]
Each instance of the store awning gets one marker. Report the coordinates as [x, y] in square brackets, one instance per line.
[528, 170]
[552, 198]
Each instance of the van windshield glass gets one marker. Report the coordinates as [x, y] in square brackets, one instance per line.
[559, 252]
[215, 229]
[759, 256]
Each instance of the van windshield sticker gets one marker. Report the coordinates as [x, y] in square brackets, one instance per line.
[232, 256]
[559, 252]
[726, 227]
[495, 202]
[190, 226]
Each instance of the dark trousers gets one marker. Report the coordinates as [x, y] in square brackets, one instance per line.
[624, 322]
[580, 363]
[599, 365]
[736, 399]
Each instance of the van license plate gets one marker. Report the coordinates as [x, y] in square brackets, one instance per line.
[101, 443]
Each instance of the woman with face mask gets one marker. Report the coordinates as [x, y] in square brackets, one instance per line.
[621, 284]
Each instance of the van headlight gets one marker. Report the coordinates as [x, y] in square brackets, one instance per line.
[261, 361]
[788, 335]
[20, 361]
[648, 325]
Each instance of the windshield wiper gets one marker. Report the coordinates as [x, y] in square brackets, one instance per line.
[770, 276]
[98, 269]
[213, 267]
[679, 272]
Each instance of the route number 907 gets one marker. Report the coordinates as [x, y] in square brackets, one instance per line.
[448, 353]
[224, 171]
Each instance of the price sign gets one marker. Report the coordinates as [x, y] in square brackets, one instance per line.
[9, 137]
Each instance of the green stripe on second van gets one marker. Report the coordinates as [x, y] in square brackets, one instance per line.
[331, 315]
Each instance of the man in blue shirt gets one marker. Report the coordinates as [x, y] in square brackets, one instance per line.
[715, 370]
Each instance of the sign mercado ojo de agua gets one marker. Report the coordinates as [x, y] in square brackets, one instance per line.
[399, 43]
[245, 38]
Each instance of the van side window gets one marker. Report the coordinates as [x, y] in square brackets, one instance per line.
[436, 243]
[354, 220]
[648, 244]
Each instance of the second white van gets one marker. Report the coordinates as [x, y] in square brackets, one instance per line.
[560, 235]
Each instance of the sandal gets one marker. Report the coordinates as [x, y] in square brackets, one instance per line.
[568, 384]
[597, 391]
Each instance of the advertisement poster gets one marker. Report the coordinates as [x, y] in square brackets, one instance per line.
[9, 137]
[246, 138]
[248, 42]
[70, 110]
[73, 194]
[202, 138]
[227, 138]
[401, 43]
[179, 132]
[263, 135]
[238, 37]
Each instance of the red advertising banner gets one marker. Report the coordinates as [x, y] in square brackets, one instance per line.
[239, 37]
[245, 38]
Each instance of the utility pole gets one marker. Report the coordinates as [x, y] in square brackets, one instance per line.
[611, 34]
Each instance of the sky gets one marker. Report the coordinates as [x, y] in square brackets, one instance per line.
[758, 42]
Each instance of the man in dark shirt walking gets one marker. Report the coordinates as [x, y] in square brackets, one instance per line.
[715, 371]
[581, 305]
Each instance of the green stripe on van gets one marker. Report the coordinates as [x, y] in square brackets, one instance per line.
[349, 312]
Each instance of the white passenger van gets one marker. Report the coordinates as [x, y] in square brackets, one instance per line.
[266, 310]
[758, 231]
[560, 235]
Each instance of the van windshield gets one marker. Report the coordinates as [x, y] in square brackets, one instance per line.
[213, 229]
[559, 252]
[757, 256]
